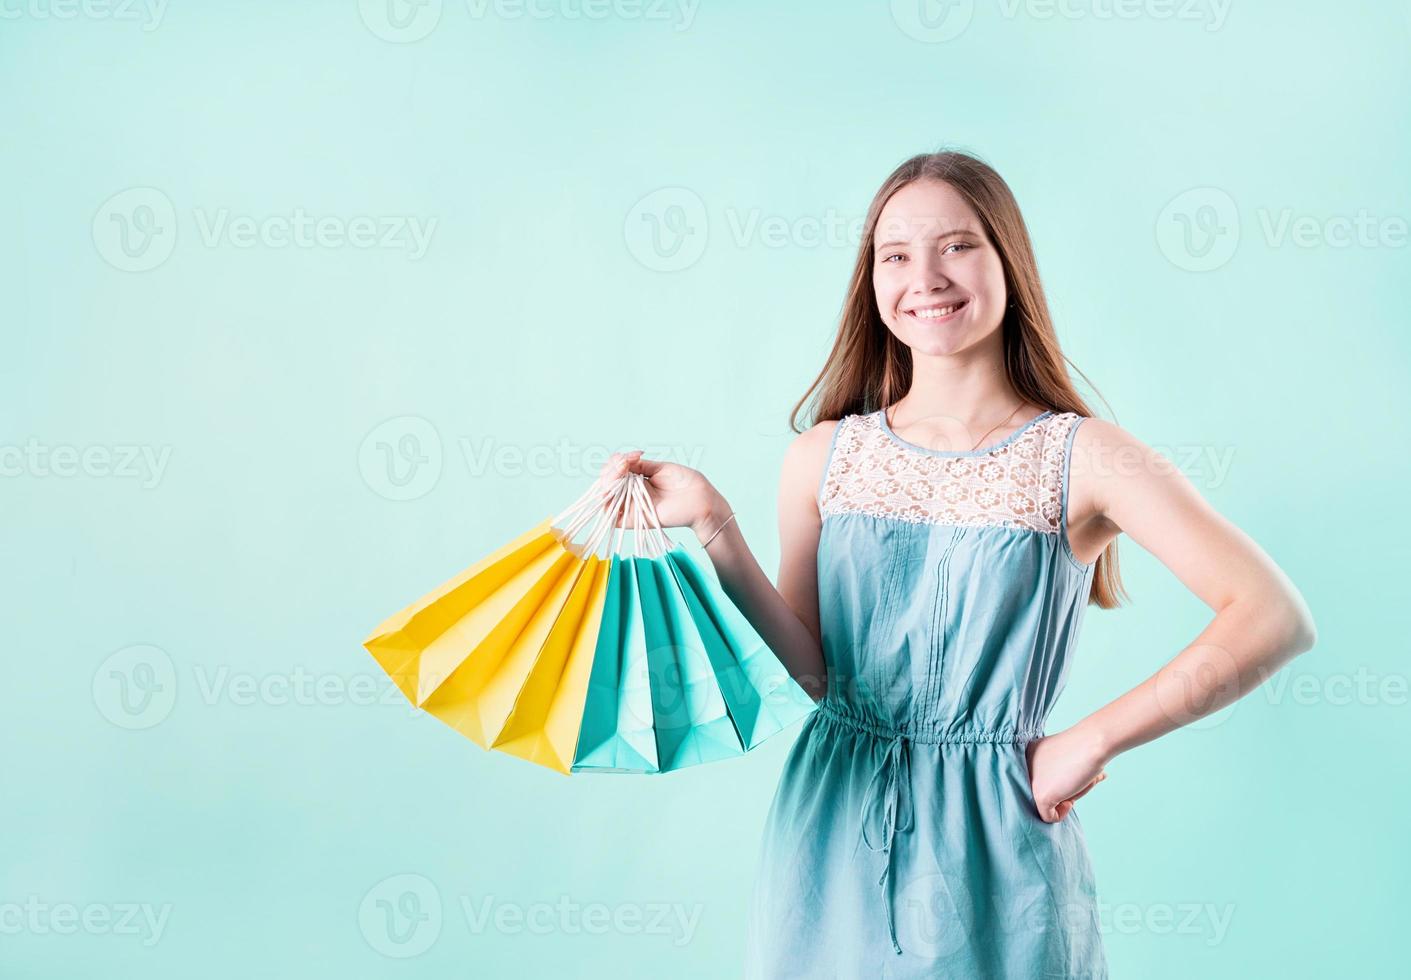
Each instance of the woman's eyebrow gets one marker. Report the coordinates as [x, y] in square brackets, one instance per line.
[944, 234]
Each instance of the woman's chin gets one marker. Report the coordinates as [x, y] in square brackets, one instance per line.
[941, 346]
[943, 341]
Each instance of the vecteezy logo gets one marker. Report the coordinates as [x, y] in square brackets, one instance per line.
[401, 458]
[929, 912]
[933, 21]
[667, 230]
[135, 229]
[400, 916]
[135, 687]
[1192, 692]
[1199, 229]
[400, 21]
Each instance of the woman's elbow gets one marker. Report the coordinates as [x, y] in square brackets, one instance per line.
[1302, 631]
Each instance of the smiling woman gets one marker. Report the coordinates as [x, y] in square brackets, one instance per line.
[939, 550]
[932, 586]
[929, 231]
[945, 524]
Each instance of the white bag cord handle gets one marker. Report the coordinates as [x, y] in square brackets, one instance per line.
[589, 506]
[587, 512]
[664, 543]
[631, 516]
[605, 518]
[591, 499]
[607, 509]
[658, 543]
[620, 527]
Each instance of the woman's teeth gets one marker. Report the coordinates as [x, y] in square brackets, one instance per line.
[938, 311]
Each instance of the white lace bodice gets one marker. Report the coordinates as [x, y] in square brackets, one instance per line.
[1018, 482]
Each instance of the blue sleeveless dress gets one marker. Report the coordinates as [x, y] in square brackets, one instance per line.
[903, 839]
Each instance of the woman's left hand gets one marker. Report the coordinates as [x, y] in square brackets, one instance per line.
[1062, 768]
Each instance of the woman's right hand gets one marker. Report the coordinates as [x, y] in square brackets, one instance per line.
[681, 496]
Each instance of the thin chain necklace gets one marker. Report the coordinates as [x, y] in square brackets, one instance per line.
[996, 426]
[992, 428]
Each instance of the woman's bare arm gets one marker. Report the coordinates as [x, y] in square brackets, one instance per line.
[1261, 620]
[786, 617]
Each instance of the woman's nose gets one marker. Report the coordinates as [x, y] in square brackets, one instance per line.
[928, 276]
[925, 284]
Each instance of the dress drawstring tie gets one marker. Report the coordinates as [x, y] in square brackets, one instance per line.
[888, 802]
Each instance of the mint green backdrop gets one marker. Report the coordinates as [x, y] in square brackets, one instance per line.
[308, 306]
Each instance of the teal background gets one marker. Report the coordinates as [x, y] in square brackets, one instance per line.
[567, 306]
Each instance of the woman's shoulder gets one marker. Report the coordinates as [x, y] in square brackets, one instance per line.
[1093, 434]
[811, 445]
[1105, 457]
[806, 459]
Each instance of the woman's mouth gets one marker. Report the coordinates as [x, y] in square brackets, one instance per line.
[938, 312]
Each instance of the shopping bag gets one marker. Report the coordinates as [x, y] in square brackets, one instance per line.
[544, 723]
[617, 734]
[691, 721]
[417, 646]
[762, 698]
[567, 649]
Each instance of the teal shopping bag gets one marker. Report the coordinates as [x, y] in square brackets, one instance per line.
[691, 719]
[679, 677]
[617, 730]
[761, 696]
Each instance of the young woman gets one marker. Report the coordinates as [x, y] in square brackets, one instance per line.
[944, 523]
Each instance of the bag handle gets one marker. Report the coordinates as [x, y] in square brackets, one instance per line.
[635, 510]
[607, 509]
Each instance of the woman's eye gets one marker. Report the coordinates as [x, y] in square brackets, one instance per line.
[897, 255]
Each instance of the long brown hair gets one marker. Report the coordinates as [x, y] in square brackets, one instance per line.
[869, 368]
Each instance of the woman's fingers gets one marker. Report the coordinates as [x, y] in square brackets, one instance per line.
[617, 466]
[1085, 790]
[1056, 811]
[620, 463]
[611, 491]
[1060, 810]
[647, 467]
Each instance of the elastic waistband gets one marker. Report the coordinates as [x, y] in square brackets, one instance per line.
[926, 734]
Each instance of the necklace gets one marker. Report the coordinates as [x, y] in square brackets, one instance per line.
[997, 425]
[992, 428]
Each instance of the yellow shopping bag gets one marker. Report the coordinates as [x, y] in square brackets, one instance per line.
[419, 646]
[491, 642]
[544, 724]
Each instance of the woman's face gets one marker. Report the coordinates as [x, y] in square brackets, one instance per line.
[938, 279]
